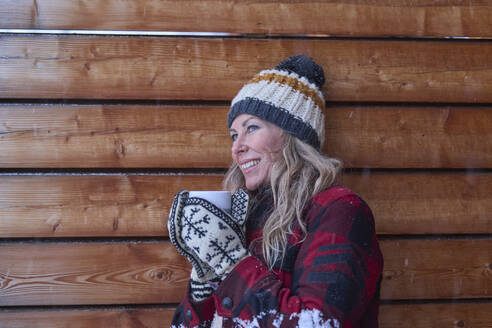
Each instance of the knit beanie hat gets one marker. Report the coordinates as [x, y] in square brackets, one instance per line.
[289, 96]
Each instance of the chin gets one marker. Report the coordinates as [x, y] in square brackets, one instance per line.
[252, 185]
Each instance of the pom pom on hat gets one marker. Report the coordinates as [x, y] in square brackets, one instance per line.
[289, 95]
[304, 66]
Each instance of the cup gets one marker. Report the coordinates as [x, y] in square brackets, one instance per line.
[221, 199]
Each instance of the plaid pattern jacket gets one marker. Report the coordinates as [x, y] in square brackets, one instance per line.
[330, 279]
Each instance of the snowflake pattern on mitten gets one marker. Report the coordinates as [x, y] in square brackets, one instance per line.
[193, 227]
[212, 235]
[211, 239]
[202, 270]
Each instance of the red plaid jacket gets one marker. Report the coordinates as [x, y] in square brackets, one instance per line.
[331, 279]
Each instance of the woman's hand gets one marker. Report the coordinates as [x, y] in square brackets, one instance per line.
[202, 288]
[210, 238]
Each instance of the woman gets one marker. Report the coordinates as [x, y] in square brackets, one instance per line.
[303, 252]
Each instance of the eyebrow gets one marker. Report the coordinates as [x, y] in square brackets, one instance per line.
[243, 125]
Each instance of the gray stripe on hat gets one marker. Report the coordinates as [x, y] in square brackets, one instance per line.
[276, 115]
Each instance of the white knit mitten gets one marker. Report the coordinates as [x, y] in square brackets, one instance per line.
[202, 288]
[211, 239]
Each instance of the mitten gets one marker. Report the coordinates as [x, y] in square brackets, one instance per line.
[201, 271]
[211, 239]
[202, 288]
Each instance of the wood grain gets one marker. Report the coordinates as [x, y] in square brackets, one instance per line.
[410, 137]
[92, 206]
[66, 67]
[426, 203]
[476, 315]
[197, 136]
[114, 136]
[437, 269]
[91, 273]
[152, 272]
[107, 318]
[340, 18]
[137, 205]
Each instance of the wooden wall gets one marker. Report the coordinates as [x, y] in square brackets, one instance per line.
[99, 128]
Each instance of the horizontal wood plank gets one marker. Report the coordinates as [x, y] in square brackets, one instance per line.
[437, 269]
[122, 273]
[92, 206]
[92, 273]
[138, 205]
[410, 137]
[341, 18]
[197, 136]
[107, 318]
[215, 69]
[476, 315]
[426, 203]
[114, 136]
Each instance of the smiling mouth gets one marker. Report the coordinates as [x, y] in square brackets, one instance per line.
[249, 164]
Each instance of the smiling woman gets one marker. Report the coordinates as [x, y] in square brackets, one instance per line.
[256, 147]
[297, 250]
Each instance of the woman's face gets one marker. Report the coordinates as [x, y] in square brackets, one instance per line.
[255, 147]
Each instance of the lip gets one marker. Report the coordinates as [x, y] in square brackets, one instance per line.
[246, 170]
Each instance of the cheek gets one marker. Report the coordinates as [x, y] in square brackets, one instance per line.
[271, 157]
[279, 141]
[274, 149]
[268, 169]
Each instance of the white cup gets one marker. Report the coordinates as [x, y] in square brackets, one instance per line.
[221, 199]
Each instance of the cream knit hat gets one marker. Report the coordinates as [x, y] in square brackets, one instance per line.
[289, 95]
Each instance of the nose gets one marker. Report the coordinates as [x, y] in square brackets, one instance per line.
[238, 146]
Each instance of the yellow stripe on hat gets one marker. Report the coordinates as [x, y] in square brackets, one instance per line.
[292, 82]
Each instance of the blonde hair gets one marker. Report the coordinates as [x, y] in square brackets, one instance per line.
[297, 175]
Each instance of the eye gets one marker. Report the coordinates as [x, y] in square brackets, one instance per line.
[233, 136]
[252, 128]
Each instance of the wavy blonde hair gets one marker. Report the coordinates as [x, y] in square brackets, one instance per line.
[297, 175]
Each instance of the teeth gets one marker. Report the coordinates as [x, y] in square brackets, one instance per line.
[249, 164]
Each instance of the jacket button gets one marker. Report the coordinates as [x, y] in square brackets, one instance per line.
[227, 303]
[189, 315]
